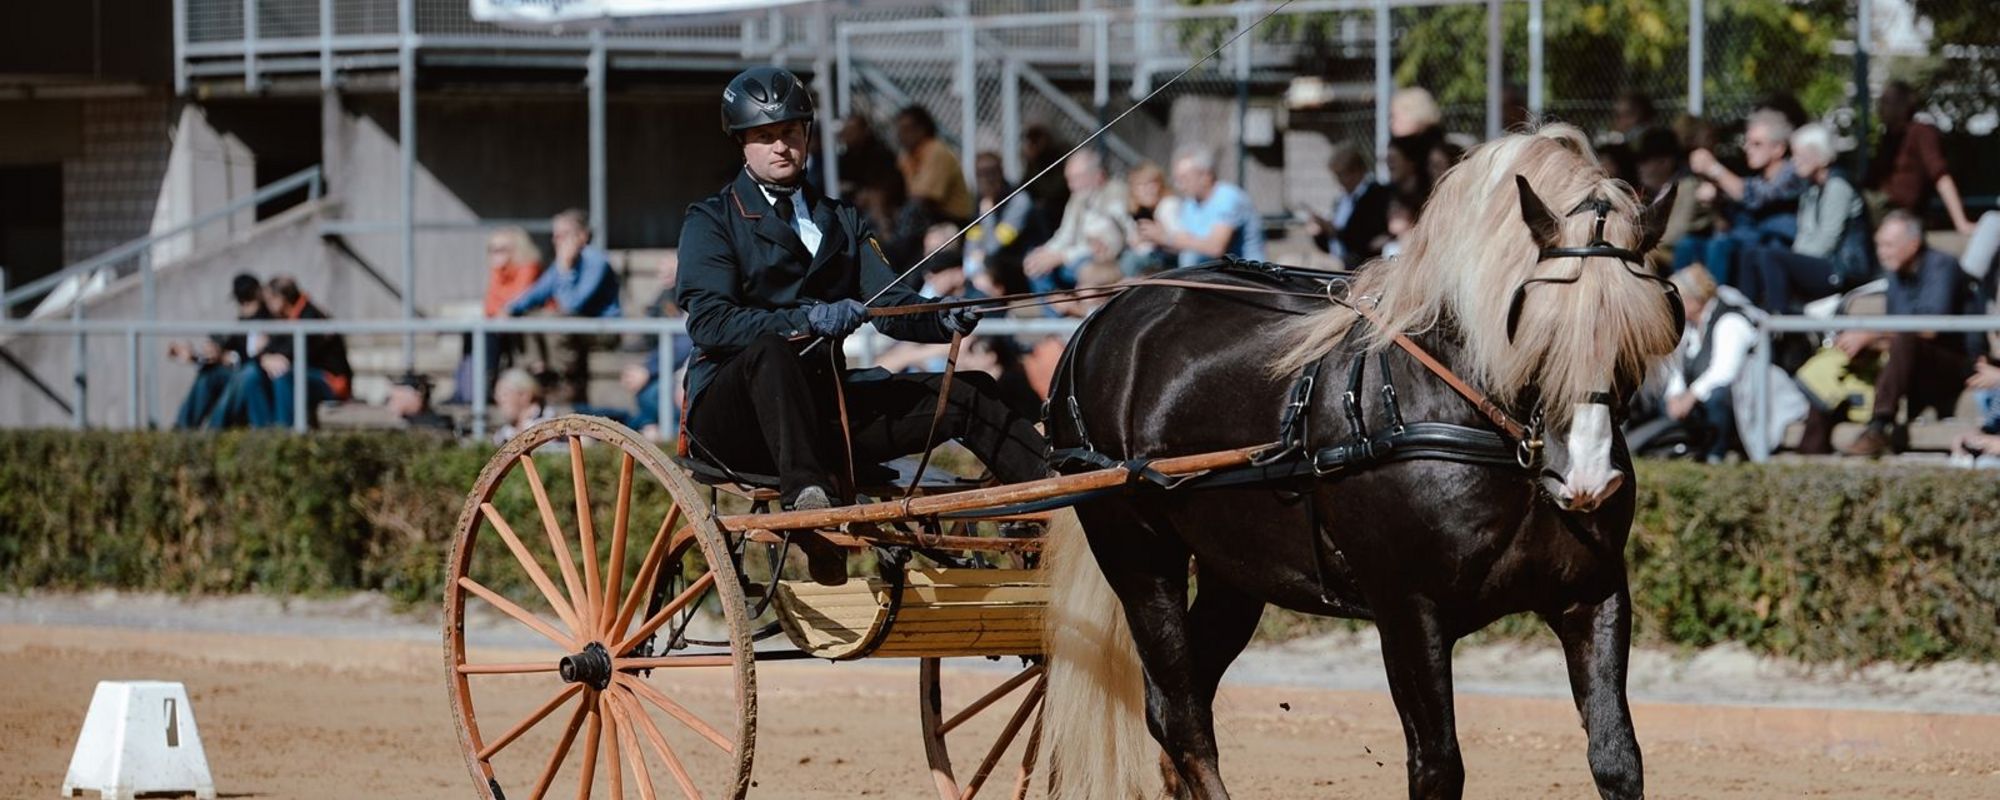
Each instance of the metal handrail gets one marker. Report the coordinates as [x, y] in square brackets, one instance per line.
[310, 178]
[665, 327]
[1760, 376]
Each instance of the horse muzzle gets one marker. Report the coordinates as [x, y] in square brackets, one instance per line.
[1589, 478]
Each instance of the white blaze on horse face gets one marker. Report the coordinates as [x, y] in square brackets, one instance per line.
[1591, 479]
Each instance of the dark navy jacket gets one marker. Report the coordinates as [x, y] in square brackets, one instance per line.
[744, 275]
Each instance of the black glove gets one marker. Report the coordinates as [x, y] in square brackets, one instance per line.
[959, 320]
[838, 318]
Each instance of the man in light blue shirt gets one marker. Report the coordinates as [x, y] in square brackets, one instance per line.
[1217, 219]
[579, 283]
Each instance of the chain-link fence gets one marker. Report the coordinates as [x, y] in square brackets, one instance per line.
[1306, 79]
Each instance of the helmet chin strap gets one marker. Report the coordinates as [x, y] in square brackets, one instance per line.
[776, 189]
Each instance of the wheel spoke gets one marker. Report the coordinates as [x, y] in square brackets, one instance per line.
[621, 520]
[659, 741]
[577, 596]
[522, 727]
[532, 567]
[519, 614]
[611, 765]
[991, 697]
[506, 669]
[1006, 738]
[1027, 773]
[590, 750]
[675, 710]
[649, 569]
[630, 741]
[562, 749]
[693, 591]
[586, 529]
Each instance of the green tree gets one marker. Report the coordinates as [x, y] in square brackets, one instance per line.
[1594, 51]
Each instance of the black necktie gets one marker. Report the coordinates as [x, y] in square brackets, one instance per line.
[781, 202]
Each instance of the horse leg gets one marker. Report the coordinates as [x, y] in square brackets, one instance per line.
[1417, 654]
[1221, 623]
[1149, 573]
[1596, 638]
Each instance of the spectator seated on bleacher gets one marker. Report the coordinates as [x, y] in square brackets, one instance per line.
[261, 394]
[410, 401]
[1909, 167]
[1758, 208]
[217, 358]
[997, 246]
[1147, 198]
[1711, 359]
[1928, 369]
[1217, 218]
[1093, 196]
[513, 265]
[1359, 224]
[581, 284]
[930, 169]
[518, 398]
[1831, 253]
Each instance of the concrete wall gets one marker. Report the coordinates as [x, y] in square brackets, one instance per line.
[196, 288]
[511, 157]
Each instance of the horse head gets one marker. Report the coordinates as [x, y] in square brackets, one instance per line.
[1578, 468]
[1553, 315]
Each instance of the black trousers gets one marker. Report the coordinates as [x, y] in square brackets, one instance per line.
[1778, 280]
[1925, 372]
[769, 410]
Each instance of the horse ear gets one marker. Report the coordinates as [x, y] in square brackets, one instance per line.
[1653, 223]
[1541, 223]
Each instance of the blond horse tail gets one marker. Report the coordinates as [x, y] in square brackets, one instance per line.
[1094, 718]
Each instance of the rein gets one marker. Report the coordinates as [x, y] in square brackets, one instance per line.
[1524, 435]
[1009, 302]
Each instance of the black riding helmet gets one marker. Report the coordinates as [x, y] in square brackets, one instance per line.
[764, 96]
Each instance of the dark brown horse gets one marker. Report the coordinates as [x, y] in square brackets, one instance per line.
[1431, 549]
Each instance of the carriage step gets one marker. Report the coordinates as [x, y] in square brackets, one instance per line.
[945, 612]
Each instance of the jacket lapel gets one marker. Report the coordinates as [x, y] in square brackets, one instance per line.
[750, 203]
[833, 235]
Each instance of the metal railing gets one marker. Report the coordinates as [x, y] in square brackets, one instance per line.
[872, 344]
[1760, 374]
[142, 247]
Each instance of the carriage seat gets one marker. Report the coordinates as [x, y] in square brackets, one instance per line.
[888, 479]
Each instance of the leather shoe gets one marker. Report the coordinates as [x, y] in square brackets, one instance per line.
[1872, 443]
[826, 562]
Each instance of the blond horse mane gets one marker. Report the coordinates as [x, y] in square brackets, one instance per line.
[1469, 251]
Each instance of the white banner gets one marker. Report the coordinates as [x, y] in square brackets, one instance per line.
[551, 12]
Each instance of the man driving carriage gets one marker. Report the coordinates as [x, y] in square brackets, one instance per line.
[769, 267]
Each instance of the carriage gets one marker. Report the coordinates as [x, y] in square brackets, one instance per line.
[1503, 491]
[626, 617]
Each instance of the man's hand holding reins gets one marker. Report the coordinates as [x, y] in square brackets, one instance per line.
[837, 319]
[960, 321]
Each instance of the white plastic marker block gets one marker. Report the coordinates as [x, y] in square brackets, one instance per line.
[139, 738]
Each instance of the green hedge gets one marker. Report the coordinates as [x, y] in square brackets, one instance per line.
[1821, 562]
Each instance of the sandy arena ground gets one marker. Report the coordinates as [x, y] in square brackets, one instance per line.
[345, 716]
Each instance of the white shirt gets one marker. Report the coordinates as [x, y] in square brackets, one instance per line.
[1733, 338]
[802, 219]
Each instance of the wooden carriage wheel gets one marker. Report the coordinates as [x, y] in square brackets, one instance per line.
[989, 722]
[610, 664]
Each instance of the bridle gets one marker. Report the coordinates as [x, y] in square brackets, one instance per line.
[1632, 261]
